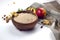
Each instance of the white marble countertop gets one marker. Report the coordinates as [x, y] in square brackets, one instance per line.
[8, 30]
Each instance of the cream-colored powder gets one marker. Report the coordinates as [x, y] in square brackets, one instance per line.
[25, 18]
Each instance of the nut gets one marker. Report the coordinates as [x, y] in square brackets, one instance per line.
[15, 15]
[46, 22]
[8, 18]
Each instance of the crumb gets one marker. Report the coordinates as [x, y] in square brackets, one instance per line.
[4, 18]
[13, 2]
[4, 15]
[8, 4]
[41, 27]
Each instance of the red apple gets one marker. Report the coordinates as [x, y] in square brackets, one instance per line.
[41, 12]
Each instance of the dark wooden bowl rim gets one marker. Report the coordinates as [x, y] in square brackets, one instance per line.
[25, 12]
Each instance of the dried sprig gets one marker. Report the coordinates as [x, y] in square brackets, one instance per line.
[19, 10]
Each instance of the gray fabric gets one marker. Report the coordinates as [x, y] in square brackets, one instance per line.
[54, 9]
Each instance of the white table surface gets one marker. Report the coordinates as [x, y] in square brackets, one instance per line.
[8, 30]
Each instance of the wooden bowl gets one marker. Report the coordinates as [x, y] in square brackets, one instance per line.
[24, 27]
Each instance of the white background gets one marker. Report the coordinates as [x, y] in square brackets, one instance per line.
[8, 30]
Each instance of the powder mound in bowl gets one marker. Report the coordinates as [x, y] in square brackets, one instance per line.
[25, 18]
